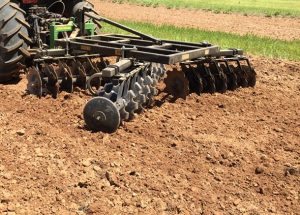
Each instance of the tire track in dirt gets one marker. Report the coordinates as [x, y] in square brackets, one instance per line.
[274, 27]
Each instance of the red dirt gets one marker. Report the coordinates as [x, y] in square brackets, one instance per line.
[274, 27]
[229, 153]
[232, 153]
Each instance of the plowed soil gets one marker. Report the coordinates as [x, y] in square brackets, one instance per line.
[274, 27]
[232, 153]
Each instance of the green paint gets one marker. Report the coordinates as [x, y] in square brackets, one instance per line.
[90, 28]
[57, 28]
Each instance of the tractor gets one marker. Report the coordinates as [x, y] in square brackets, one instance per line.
[24, 25]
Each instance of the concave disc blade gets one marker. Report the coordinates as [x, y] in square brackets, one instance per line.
[34, 85]
[101, 114]
[177, 84]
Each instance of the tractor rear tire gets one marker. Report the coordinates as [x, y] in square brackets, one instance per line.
[14, 39]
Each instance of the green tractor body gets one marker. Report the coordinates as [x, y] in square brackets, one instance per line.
[34, 24]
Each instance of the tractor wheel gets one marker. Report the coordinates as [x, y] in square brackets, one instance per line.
[13, 39]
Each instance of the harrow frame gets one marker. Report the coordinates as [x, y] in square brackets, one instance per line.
[141, 47]
[168, 52]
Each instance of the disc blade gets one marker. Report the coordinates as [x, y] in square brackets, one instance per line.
[52, 84]
[251, 75]
[101, 114]
[67, 78]
[220, 77]
[34, 85]
[231, 77]
[177, 84]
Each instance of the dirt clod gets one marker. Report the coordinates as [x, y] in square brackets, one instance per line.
[259, 170]
[291, 171]
[21, 132]
[111, 177]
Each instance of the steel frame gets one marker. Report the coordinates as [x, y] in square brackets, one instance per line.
[168, 52]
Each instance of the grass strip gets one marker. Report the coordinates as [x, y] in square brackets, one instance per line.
[256, 7]
[261, 46]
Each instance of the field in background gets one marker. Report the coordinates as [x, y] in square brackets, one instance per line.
[265, 7]
[260, 46]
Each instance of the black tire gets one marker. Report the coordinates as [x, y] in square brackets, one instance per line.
[14, 39]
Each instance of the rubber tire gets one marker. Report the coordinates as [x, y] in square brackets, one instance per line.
[14, 39]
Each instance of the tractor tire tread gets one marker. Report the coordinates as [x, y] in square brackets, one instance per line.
[14, 39]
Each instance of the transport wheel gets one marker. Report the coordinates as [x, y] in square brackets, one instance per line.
[14, 39]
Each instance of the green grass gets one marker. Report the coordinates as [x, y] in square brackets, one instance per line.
[265, 7]
[260, 46]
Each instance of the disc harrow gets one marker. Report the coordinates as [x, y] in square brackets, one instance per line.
[210, 75]
[123, 88]
[52, 77]
[120, 99]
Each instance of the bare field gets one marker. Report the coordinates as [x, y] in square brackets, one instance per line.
[275, 27]
[229, 153]
[289, 8]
